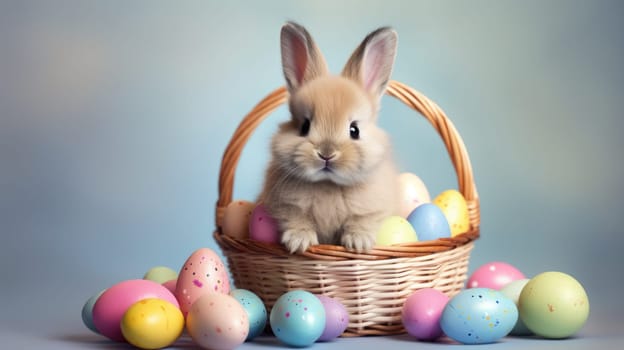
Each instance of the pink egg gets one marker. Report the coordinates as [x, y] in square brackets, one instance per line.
[171, 285]
[336, 318]
[202, 273]
[113, 303]
[217, 321]
[494, 275]
[263, 227]
[421, 313]
[412, 193]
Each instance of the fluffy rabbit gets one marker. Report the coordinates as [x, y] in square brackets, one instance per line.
[332, 178]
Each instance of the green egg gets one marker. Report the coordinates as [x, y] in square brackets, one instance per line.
[554, 305]
[395, 230]
[512, 291]
[160, 274]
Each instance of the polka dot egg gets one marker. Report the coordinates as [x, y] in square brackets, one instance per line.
[203, 272]
[455, 208]
[217, 321]
[478, 315]
[298, 318]
[255, 311]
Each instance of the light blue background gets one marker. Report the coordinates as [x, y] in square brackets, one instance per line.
[114, 116]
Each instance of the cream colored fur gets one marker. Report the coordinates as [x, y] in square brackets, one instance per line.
[344, 199]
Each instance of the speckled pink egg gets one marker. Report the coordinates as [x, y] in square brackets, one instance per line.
[412, 193]
[494, 275]
[336, 318]
[113, 303]
[203, 272]
[217, 321]
[263, 227]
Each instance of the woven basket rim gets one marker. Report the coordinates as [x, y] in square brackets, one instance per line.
[413, 99]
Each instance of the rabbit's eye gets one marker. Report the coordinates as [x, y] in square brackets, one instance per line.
[354, 131]
[305, 128]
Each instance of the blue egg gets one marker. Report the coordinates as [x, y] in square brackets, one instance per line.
[255, 310]
[87, 312]
[429, 222]
[478, 316]
[298, 318]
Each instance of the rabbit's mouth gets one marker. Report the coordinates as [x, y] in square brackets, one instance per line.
[327, 167]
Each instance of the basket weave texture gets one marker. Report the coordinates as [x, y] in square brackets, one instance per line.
[373, 285]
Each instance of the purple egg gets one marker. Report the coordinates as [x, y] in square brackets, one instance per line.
[336, 318]
[421, 313]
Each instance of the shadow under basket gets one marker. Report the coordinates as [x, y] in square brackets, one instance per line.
[374, 285]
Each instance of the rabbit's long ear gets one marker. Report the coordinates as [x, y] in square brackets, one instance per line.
[371, 63]
[302, 60]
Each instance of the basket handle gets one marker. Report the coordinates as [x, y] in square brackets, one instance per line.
[412, 98]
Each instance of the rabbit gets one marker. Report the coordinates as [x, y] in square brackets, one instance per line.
[331, 177]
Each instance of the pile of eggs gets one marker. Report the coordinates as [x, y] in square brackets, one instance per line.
[498, 301]
[152, 313]
[419, 218]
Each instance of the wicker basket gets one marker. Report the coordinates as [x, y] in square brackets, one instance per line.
[372, 286]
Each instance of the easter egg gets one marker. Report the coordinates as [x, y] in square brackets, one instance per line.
[421, 313]
[263, 227]
[171, 285]
[395, 230]
[256, 312]
[494, 275]
[236, 219]
[217, 321]
[336, 318]
[478, 316]
[429, 222]
[455, 208]
[160, 274]
[87, 312]
[512, 291]
[115, 301]
[152, 324]
[203, 272]
[412, 193]
[554, 305]
[298, 318]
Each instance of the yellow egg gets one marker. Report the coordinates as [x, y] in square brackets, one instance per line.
[395, 230]
[455, 209]
[412, 193]
[236, 219]
[152, 324]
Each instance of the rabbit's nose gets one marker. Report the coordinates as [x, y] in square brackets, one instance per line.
[324, 157]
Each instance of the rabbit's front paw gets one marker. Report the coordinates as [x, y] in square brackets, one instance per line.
[358, 241]
[299, 240]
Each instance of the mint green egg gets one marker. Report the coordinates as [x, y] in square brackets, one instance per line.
[160, 274]
[554, 305]
[512, 291]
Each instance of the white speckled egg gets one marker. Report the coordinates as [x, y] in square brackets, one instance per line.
[217, 321]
